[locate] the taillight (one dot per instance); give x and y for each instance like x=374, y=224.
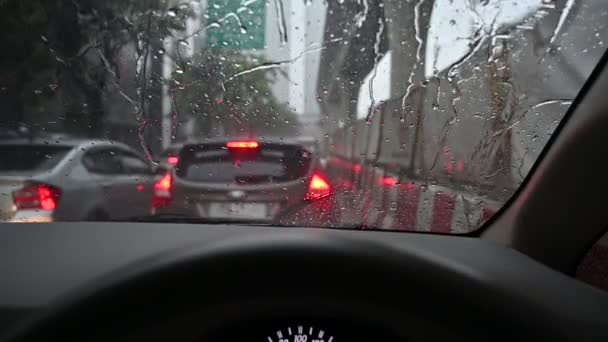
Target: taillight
x=389, y=181
x=38, y=196
x=162, y=191
x=242, y=144
x=317, y=188
x=172, y=160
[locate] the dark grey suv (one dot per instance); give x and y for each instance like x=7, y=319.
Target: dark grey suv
x=241, y=180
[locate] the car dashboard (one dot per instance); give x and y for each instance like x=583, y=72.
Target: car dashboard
x=191, y=282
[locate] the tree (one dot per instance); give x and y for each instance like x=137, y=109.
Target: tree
x=226, y=91
x=67, y=50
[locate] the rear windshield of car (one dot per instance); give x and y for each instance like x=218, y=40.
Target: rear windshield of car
x=30, y=157
x=244, y=166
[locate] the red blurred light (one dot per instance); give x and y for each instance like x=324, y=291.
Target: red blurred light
x=242, y=144
x=318, y=183
x=46, y=198
x=40, y=196
x=389, y=181
x=164, y=183
x=317, y=188
x=162, y=191
x=172, y=160
x=357, y=168
x=448, y=166
x=459, y=165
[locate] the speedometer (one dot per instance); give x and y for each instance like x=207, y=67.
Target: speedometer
x=298, y=329
x=300, y=333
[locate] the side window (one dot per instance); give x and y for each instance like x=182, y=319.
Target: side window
x=593, y=269
x=103, y=161
x=132, y=164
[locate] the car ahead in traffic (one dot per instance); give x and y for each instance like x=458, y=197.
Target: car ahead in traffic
x=169, y=157
x=242, y=180
x=44, y=180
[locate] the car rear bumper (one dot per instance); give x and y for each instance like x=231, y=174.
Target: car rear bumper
x=204, y=210
x=33, y=216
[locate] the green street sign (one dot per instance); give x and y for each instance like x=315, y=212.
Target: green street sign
x=240, y=24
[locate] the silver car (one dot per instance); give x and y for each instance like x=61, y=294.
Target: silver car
x=239, y=180
x=45, y=180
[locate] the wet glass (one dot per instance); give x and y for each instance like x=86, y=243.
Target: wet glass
x=407, y=115
x=25, y=158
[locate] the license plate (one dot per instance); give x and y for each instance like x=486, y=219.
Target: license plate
x=246, y=211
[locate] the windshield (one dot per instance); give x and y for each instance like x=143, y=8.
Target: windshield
x=406, y=115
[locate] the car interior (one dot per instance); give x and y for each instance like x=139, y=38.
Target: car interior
x=373, y=93
x=512, y=279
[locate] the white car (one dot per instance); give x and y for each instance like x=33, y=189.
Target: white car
x=44, y=180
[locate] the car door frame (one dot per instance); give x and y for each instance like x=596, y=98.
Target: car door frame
x=559, y=212
x=137, y=185
x=108, y=182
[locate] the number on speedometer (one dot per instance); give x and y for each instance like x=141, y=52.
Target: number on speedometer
x=300, y=333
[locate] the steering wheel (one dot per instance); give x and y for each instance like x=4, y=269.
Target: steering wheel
x=223, y=291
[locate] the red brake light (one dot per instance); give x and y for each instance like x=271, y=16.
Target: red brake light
x=389, y=181
x=39, y=196
x=317, y=188
x=164, y=183
x=242, y=144
x=162, y=191
x=172, y=160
